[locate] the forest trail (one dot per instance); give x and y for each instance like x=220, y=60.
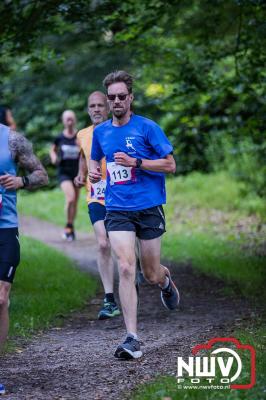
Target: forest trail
x=77, y=362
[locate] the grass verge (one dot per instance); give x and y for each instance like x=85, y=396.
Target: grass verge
x=217, y=256
x=208, y=219
x=47, y=285
x=195, y=191
x=215, y=190
x=210, y=226
x=49, y=205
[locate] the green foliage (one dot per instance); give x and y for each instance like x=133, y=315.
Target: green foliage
x=211, y=92
x=209, y=61
x=47, y=285
x=244, y=161
x=199, y=69
x=56, y=87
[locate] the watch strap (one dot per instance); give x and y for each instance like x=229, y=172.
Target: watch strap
x=25, y=181
x=138, y=163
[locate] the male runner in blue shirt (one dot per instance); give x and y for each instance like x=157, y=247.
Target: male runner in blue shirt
x=138, y=154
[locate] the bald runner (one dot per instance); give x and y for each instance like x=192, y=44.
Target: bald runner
x=98, y=112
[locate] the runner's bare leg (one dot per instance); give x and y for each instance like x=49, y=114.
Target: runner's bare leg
x=123, y=245
x=4, y=318
x=104, y=259
x=150, y=255
x=70, y=200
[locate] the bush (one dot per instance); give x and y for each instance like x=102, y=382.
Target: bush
x=243, y=160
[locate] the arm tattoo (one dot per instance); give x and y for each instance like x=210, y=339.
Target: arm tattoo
x=22, y=153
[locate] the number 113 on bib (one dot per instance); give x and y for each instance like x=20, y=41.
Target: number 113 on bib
x=120, y=175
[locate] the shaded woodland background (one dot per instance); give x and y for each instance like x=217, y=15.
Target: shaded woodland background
x=199, y=69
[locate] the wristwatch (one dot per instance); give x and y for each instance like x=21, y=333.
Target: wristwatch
x=25, y=181
x=138, y=163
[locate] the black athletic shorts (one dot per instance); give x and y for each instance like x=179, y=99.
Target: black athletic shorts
x=97, y=212
x=148, y=223
x=66, y=174
x=9, y=253
x=66, y=177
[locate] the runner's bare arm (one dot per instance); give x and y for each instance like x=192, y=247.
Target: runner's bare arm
x=83, y=167
x=166, y=165
x=21, y=152
x=53, y=154
x=80, y=179
x=95, y=174
x=10, y=120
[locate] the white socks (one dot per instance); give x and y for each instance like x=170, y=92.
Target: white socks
x=134, y=335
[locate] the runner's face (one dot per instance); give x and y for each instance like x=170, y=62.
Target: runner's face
x=97, y=109
x=119, y=107
x=69, y=120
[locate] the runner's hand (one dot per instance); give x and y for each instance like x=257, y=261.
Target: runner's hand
x=124, y=160
x=95, y=176
x=80, y=181
x=54, y=159
x=11, y=182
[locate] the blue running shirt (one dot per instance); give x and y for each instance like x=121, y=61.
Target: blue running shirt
x=128, y=188
x=8, y=198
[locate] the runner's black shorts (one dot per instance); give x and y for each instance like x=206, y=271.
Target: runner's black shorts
x=97, y=212
x=64, y=174
x=9, y=253
x=148, y=224
x=66, y=177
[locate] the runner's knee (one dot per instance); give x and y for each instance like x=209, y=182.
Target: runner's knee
x=4, y=299
x=70, y=201
x=103, y=245
x=126, y=270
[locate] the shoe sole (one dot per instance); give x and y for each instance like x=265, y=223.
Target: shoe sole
x=175, y=288
x=125, y=354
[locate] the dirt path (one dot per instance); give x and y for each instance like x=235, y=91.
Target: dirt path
x=76, y=362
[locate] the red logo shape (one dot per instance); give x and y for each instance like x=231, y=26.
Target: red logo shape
x=238, y=345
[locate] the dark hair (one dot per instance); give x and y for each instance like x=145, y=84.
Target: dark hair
x=119, y=76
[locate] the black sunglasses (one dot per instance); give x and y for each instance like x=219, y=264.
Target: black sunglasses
x=121, y=97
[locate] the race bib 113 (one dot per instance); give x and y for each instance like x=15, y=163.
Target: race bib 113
x=120, y=175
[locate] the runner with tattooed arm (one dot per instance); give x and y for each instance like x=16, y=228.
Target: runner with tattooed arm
x=15, y=150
